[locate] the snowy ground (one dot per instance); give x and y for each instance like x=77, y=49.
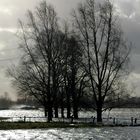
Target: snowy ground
x=109, y=133
x=105, y=133
x=122, y=116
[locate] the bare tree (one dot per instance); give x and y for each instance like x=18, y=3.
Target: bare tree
x=40, y=38
x=75, y=74
x=106, y=51
x=50, y=62
x=28, y=81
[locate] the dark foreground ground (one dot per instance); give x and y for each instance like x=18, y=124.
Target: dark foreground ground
x=41, y=125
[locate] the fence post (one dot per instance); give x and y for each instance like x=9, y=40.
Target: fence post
x=132, y=121
x=135, y=120
x=94, y=120
x=24, y=118
x=72, y=119
x=114, y=120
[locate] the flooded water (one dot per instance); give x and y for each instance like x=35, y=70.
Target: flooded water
x=117, y=113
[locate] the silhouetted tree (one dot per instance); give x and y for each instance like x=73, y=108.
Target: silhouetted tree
x=49, y=68
x=37, y=74
x=106, y=51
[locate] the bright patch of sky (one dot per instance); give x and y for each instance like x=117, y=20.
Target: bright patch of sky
x=7, y=11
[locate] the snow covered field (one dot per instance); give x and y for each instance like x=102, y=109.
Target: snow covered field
x=120, y=115
x=104, y=133
x=108, y=133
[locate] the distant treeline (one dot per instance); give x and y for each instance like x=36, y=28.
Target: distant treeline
x=132, y=102
x=85, y=103
x=5, y=103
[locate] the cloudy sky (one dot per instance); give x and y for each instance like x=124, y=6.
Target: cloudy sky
x=12, y=10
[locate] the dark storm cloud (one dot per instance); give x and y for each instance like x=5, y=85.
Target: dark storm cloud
x=131, y=31
x=129, y=12
x=131, y=27
x=12, y=10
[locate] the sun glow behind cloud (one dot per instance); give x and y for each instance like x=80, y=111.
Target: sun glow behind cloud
x=6, y=10
x=12, y=30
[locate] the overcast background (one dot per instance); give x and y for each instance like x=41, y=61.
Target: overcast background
x=12, y=10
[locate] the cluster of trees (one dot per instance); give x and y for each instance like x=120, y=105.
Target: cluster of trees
x=5, y=101
x=62, y=68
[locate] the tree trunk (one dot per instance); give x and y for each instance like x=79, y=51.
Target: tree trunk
x=62, y=112
x=75, y=104
x=62, y=104
x=45, y=111
x=68, y=111
x=75, y=112
x=50, y=115
x=68, y=105
x=99, y=115
x=56, y=111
